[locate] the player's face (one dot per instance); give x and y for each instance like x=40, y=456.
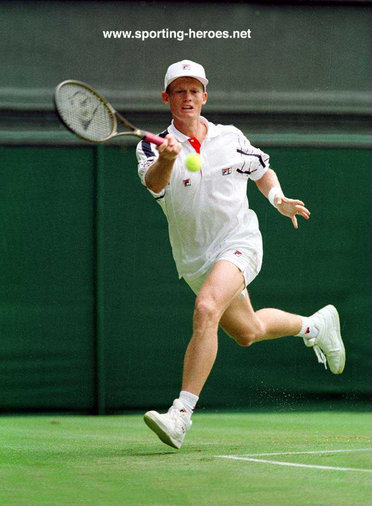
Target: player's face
x=185, y=97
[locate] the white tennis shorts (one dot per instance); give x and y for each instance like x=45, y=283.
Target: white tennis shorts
x=248, y=261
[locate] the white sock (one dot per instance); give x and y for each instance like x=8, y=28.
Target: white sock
x=308, y=328
x=189, y=401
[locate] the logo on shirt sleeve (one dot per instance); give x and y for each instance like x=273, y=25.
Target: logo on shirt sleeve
x=146, y=163
x=187, y=182
x=226, y=172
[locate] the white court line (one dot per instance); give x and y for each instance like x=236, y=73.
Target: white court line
x=307, y=452
x=278, y=463
x=293, y=464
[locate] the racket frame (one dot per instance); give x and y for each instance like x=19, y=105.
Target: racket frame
x=114, y=116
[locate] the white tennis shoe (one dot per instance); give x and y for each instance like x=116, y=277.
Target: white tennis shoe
x=328, y=345
x=170, y=427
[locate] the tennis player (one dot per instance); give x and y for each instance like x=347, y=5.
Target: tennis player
x=216, y=241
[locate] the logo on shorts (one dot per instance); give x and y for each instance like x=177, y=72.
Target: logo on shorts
x=226, y=172
x=187, y=182
x=238, y=253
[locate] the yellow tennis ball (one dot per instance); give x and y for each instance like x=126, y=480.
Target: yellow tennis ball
x=193, y=162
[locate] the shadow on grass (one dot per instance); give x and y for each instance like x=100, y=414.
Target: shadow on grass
x=148, y=454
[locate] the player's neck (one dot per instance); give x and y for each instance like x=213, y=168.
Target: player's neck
x=192, y=128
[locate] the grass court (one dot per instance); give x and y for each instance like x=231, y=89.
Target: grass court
x=117, y=460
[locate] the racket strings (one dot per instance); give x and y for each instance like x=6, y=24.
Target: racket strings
x=85, y=113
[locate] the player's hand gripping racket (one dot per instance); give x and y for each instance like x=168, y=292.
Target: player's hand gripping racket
x=88, y=115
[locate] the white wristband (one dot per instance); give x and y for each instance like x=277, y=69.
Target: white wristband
x=275, y=190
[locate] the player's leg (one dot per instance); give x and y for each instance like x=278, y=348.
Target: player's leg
x=223, y=284
x=320, y=331
x=246, y=326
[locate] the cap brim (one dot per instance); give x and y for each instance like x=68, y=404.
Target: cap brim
x=202, y=80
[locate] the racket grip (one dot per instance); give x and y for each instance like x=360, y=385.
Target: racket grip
x=154, y=139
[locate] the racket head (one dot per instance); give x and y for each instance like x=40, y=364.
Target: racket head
x=84, y=111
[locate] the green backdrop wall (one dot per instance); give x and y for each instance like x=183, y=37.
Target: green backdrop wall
x=301, y=56
x=94, y=318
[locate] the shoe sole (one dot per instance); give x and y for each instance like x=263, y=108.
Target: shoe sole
x=336, y=324
x=156, y=426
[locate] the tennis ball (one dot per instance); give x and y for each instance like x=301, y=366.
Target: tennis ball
x=193, y=162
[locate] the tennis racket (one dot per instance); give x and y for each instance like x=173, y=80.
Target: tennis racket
x=89, y=116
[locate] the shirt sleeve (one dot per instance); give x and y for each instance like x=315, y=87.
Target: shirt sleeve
x=146, y=156
x=256, y=161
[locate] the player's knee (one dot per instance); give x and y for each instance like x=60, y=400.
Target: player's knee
x=244, y=339
x=206, y=309
x=251, y=334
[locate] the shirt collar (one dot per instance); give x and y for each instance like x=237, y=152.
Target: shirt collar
x=211, y=130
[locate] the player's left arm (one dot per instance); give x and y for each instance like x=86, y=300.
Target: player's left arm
x=269, y=186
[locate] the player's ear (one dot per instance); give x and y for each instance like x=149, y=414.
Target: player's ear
x=205, y=97
x=165, y=97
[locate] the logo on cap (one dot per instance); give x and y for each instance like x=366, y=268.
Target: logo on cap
x=186, y=66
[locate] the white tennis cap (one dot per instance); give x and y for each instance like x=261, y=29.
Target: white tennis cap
x=185, y=68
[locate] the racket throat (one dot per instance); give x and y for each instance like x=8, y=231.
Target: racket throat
x=140, y=133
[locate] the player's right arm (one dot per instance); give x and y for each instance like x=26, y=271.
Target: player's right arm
x=159, y=174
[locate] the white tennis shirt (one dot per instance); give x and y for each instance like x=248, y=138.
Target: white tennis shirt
x=208, y=211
